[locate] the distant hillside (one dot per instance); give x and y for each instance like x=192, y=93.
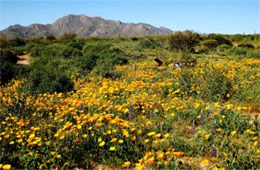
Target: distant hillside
x=84, y=26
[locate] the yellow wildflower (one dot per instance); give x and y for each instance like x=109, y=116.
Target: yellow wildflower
x=102, y=144
x=6, y=167
x=126, y=164
x=112, y=148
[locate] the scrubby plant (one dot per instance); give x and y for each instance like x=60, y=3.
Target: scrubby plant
x=236, y=51
x=77, y=44
x=67, y=37
x=50, y=37
x=36, y=50
x=251, y=53
x=7, y=65
x=3, y=42
x=221, y=39
x=210, y=43
x=103, y=51
x=184, y=41
x=16, y=42
x=149, y=43
x=215, y=85
x=201, y=50
x=47, y=76
x=246, y=45
x=223, y=47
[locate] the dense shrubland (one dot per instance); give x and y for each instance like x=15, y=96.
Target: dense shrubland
x=101, y=103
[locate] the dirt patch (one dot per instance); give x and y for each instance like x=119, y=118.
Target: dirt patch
x=24, y=59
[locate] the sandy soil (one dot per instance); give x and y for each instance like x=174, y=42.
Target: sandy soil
x=24, y=59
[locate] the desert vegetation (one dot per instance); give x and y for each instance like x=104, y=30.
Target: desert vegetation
x=105, y=102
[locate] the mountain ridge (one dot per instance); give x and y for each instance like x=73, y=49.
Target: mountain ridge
x=84, y=26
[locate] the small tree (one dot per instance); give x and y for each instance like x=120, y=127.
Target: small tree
x=50, y=37
x=67, y=37
x=210, y=44
x=7, y=65
x=184, y=41
x=3, y=42
x=47, y=75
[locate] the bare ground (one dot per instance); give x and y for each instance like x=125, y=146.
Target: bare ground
x=24, y=59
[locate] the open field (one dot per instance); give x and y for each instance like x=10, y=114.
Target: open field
x=197, y=110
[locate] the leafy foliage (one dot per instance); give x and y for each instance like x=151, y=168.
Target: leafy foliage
x=184, y=41
x=47, y=76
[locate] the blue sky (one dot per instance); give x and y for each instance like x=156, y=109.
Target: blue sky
x=204, y=16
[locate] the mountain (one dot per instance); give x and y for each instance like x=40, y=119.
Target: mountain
x=84, y=26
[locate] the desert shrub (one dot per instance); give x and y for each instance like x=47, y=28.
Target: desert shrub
x=149, y=43
x=50, y=37
x=95, y=51
x=67, y=37
x=105, y=68
x=183, y=41
x=215, y=85
x=8, y=55
x=187, y=60
x=7, y=67
x=16, y=42
x=47, y=76
x=221, y=39
x=253, y=53
x=68, y=52
x=29, y=47
x=7, y=71
x=237, y=51
x=201, y=49
x=86, y=62
x=77, y=44
x=95, y=47
x=223, y=47
x=55, y=50
x=18, y=50
x=186, y=80
x=3, y=42
x=134, y=38
x=36, y=50
x=210, y=43
x=246, y=45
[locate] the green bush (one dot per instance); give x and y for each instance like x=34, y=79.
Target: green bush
x=18, y=50
x=54, y=50
x=237, y=51
x=16, y=42
x=50, y=37
x=201, y=49
x=36, y=50
x=223, y=48
x=95, y=51
x=8, y=55
x=7, y=65
x=47, y=76
x=7, y=71
x=184, y=41
x=3, y=42
x=77, y=44
x=215, y=85
x=210, y=43
x=246, y=45
x=221, y=39
x=253, y=53
x=67, y=37
x=149, y=43
x=105, y=68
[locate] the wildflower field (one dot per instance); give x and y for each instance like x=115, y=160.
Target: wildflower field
x=205, y=115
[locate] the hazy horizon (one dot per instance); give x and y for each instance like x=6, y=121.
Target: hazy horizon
x=226, y=17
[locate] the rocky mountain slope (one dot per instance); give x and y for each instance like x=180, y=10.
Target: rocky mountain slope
x=84, y=26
